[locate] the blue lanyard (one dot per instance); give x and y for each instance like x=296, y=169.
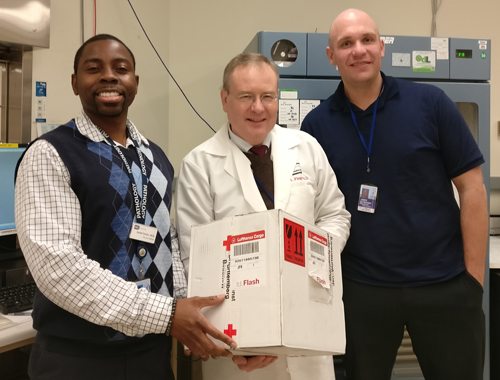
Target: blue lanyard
x=263, y=188
x=140, y=206
x=370, y=143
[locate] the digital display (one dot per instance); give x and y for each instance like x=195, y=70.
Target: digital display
x=462, y=53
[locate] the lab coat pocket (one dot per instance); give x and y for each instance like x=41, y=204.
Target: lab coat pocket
x=302, y=197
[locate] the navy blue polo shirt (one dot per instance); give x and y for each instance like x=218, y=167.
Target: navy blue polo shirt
x=420, y=143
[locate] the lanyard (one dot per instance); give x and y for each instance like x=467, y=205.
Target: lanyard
x=370, y=143
x=263, y=188
x=140, y=207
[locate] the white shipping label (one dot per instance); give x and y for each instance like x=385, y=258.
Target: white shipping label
x=248, y=263
x=319, y=263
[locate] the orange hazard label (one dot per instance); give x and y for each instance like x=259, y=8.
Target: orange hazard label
x=294, y=243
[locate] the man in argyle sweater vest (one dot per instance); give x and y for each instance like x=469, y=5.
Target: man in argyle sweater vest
x=93, y=216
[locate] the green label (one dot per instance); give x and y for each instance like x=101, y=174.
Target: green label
x=424, y=61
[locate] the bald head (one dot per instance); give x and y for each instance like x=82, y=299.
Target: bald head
x=346, y=20
x=357, y=50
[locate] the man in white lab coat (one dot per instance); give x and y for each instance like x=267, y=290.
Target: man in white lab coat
x=222, y=178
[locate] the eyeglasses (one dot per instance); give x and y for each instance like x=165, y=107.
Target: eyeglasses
x=248, y=99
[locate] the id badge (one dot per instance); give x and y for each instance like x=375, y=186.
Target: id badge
x=143, y=233
x=367, y=198
x=144, y=283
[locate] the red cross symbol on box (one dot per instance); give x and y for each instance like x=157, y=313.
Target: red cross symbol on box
x=230, y=332
x=227, y=243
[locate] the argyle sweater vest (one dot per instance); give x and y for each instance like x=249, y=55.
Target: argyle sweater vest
x=102, y=184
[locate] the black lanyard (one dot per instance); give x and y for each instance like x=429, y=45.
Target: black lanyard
x=140, y=207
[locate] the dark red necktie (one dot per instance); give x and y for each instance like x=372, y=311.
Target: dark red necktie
x=259, y=150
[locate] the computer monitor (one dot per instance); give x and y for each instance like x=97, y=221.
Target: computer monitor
x=8, y=162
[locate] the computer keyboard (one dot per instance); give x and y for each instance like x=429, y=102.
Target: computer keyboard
x=14, y=299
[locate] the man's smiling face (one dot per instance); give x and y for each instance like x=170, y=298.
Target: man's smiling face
x=251, y=120
x=105, y=80
x=355, y=48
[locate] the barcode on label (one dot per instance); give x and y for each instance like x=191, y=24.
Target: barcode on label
x=317, y=248
x=243, y=249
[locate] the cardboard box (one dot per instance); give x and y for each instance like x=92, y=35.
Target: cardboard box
x=282, y=281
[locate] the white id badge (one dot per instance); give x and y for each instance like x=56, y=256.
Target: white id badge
x=367, y=198
x=145, y=283
x=143, y=233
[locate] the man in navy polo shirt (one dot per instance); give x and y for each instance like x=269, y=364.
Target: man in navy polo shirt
x=414, y=257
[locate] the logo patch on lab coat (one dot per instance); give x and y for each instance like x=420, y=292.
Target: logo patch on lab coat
x=297, y=169
x=297, y=174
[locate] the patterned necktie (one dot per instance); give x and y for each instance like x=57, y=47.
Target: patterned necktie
x=259, y=150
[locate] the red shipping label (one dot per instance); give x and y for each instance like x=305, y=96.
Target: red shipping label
x=294, y=247
x=318, y=238
x=243, y=238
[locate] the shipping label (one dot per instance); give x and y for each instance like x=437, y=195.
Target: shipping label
x=294, y=242
x=319, y=265
x=246, y=265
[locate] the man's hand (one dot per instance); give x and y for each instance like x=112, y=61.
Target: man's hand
x=248, y=364
x=190, y=327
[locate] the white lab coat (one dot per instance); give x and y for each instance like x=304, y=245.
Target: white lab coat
x=216, y=181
